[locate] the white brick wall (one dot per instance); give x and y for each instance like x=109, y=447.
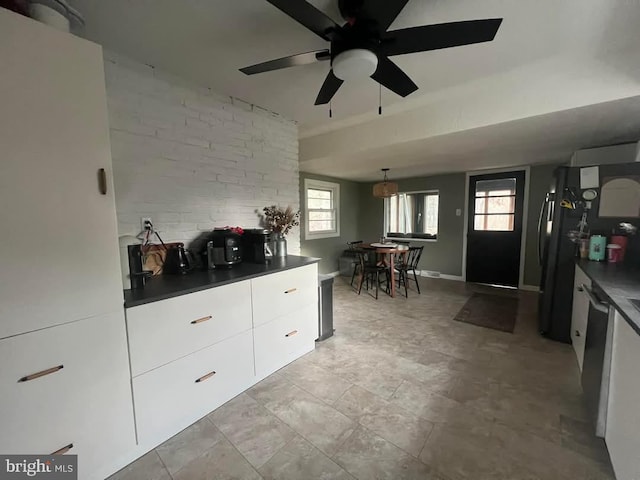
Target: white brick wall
x=192, y=159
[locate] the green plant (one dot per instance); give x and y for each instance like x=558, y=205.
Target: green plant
x=281, y=220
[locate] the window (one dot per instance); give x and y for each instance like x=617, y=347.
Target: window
x=322, y=202
x=412, y=215
x=495, y=204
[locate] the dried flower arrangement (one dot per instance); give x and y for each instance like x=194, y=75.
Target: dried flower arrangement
x=279, y=220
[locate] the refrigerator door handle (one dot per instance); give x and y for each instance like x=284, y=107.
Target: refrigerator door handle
x=541, y=221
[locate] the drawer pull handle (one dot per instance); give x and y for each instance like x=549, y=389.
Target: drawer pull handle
x=48, y=371
x=63, y=450
x=291, y=290
x=291, y=333
x=205, y=377
x=577, y=333
x=200, y=320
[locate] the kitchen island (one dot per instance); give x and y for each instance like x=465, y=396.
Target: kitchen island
x=619, y=284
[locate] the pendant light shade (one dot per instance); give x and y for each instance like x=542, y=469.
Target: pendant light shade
x=386, y=188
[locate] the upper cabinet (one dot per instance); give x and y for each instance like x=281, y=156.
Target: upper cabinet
x=59, y=255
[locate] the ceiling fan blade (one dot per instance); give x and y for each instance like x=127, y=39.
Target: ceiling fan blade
x=329, y=88
x=286, y=62
x=443, y=35
x=308, y=16
x=383, y=12
x=389, y=75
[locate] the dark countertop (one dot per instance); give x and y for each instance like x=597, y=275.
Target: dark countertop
x=168, y=286
x=619, y=282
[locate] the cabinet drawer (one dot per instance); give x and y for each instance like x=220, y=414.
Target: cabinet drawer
x=284, y=292
x=579, y=314
x=85, y=400
x=171, y=397
x=164, y=331
x=284, y=339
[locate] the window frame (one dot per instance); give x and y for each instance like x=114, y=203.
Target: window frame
x=312, y=184
x=412, y=239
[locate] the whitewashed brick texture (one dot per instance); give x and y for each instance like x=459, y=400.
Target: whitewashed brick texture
x=192, y=159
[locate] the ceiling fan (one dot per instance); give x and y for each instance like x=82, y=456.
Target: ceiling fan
x=362, y=46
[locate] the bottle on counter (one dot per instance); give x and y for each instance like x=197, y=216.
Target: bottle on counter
x=597, y=248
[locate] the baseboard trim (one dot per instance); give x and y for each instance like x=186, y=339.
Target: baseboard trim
x=333, y=274
x=529, y=288
x=443, y=276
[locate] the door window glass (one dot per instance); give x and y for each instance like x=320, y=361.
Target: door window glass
x=495, y=204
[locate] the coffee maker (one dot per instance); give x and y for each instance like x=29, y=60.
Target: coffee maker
x=224, y=249
x=258, y=245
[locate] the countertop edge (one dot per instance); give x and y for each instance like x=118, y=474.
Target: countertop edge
x=620, y=302
x=299, y=261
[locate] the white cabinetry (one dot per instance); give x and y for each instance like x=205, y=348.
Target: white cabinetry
x=61, y=316
x=163, y=331
x=174, y=396
x=623, y=415
x=580, y=314
x=59, y=255
x=284, y=292
x=192, y=353
x=82, y=397
x=285, y=317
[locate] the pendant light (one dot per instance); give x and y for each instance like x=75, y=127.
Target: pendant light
x=385, y=189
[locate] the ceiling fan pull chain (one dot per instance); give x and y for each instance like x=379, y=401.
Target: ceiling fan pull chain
x=379, y=99
x=330, y=112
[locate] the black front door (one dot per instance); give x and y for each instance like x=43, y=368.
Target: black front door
x=496, y=203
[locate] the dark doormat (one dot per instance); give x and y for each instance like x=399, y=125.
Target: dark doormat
x=490, y=311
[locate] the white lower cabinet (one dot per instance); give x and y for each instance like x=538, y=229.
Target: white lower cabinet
x=580, y=314
x=623, y=412
x=192, y=353
x=163, y=331
x=281, y=341
x=171, y=397
x=71, y=385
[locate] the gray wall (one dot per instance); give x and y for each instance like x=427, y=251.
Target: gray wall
x=443, y=255
x=330, y=249
x=362, y=219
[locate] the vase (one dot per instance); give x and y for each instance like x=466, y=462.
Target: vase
x=281, y=246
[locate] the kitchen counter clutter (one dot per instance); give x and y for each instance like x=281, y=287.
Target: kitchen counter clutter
x=620, y=282
x=168, y=286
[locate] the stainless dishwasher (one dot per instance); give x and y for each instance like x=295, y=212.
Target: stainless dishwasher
x=596, y=366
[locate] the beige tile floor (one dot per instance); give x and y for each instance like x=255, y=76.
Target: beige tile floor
x=400, y=392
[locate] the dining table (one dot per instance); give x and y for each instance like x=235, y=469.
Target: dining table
x=388, y=251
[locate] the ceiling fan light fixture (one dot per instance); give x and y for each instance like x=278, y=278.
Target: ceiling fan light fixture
x=354, y=64
x=386, y=188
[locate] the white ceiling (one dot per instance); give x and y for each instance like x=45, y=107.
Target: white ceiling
x=543, y=49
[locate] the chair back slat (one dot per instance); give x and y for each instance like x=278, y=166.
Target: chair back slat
x=414, y=257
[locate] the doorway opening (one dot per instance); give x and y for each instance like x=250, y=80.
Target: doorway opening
x=495, y=228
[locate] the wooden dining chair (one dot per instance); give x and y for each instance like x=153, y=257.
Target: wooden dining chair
x=409, y=265
x=352, y=247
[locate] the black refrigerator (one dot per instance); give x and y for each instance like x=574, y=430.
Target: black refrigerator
x=557, y=252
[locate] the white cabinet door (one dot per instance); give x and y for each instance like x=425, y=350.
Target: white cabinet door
x=580, y=314
x=172, y=397
x=283, y=292
x=59, y=254
x=163, y=331
x=85, y=400
x=623, y=414
x=284, y=339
